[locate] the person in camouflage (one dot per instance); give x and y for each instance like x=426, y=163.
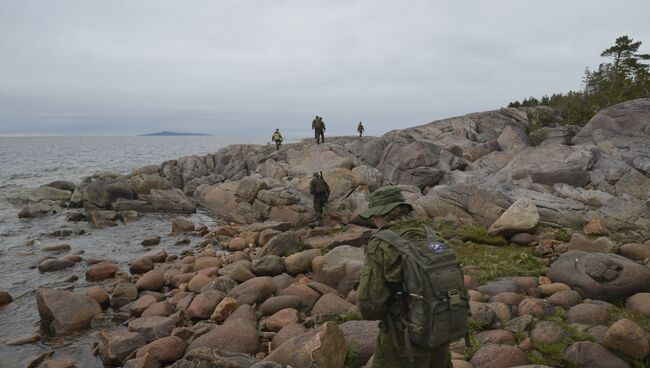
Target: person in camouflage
x=321, y=191
x=277, y=138
x=319, y=129
x=381, y=280
x=360, y=129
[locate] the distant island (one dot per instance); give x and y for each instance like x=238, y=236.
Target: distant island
x=167, y=133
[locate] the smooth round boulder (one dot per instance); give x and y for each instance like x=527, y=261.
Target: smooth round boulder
x=281, y=318
x=546, y=332
x=535, y=307
x=588, y=314
x=331, y=304
x=153, y=280
x=627, y=337
x=5, y=298
x=498, y=356
x=639, y=303
x=162, y=308
x=142, y=304
x=286, y=333
x=237, y=244
x=206, y=262
x=99, y=294
x=101, y=271
x=204, y=304
x=592, y=355
x=123, y=294
x=270, y=265
x=277, y=303
x=141, y=265
x=254, y=290
x=115, y=346
x=224, y=309
x=198, y=282
x=565, y=299
x=50, y=265
x=166, y=350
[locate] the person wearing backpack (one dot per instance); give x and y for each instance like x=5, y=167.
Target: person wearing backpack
x=321, y=191
x=360, y=129
x=277, y=138
x=319, y=129
x=413, y=284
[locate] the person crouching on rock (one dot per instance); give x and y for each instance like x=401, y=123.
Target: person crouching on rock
x=277, y=138
x=321, y=192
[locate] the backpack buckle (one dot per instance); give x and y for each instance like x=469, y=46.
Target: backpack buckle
x=455, y=300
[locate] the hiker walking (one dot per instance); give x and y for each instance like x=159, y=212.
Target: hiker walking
x=319, y=129
x=412, y=283
x=360, y=129
x=277, y=138
x=321, y=191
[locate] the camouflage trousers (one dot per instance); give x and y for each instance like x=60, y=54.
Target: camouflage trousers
x=388, y=354
x=319, y=134
x=319, y=204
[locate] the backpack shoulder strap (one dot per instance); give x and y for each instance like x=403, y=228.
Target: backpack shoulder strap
x=390, y=237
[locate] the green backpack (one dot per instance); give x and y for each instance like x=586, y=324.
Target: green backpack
x=436, y=303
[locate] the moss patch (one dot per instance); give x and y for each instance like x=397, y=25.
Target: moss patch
x=476, y=234
x=563, y=235
x=496, y=262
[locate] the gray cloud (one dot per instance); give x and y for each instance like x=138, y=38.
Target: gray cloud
x=133, y=66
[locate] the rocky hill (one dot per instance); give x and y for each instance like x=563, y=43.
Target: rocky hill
x=549, y=220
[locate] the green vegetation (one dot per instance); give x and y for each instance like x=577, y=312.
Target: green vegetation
x=553, y=354
x=624, y=77
x=351, y=355
x=621, y=313
x=563, y=235
x=476, y=234
x=350, y=316
x=496, y=262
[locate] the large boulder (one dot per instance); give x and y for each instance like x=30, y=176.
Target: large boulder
x=340, y=268
x=419, y=163
x=590, y=354
x=629, y=118
x=255, y=290
x=521, y=217
x=116, y=346
x=237, y=335
x=627, y=337
x=219, y=199
x=64, y=312
x=497, y=356
x=599, y=275
x=363, y=335
x=170, y=200
x=324, y=347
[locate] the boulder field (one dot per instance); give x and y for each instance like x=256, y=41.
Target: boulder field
x=265, y=287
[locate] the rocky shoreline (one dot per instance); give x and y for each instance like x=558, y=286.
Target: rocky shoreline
x=266, y=288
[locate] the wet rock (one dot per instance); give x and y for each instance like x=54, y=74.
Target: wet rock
x=589, y=354
x=281, y=318
x=588, y=314
x=140, y=305
x=152, y=328
x=497, y=356
x=324, y=347
x=521, y=217
x=198, y=282
x=331, y=304
x=162, y=308
x=627, y=337
x=182, y=225
x=123, y=294
x=28, y=339
x=116, y=346
x=146, y=361
x=5, y=298
x=103, y=219
x=141, y=265
x=253, y=291
x=152, y=280
x=600, y=276
x=99, y=294
x=159, y=256
x=565, y=299
x=101, y=271
x=268, y=266
x=339, y=268
x=165, y=350
x=39, y=209
x=639, y=303
x=204, y=304
x=546, y=332
x=64, y=312
x=155, y=240
x=225, y=307
x=277, y=303
x=50, y=265
x=55, y=248
x=300, y=262
x=170, y=201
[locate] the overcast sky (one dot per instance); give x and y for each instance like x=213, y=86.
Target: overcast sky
x=114, y=67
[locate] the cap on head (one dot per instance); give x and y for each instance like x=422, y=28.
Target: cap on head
x=316, y=174
x=383, y=201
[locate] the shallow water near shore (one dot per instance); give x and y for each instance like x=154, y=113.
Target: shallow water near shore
x=27, y=162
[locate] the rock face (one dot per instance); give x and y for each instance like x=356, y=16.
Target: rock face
x=64, y=312
x=600, y=276
x=589, y=354
x=324, y=347
x=521, y=217
x=339, y=268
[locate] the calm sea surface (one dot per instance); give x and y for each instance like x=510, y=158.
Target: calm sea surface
x=27, y=162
